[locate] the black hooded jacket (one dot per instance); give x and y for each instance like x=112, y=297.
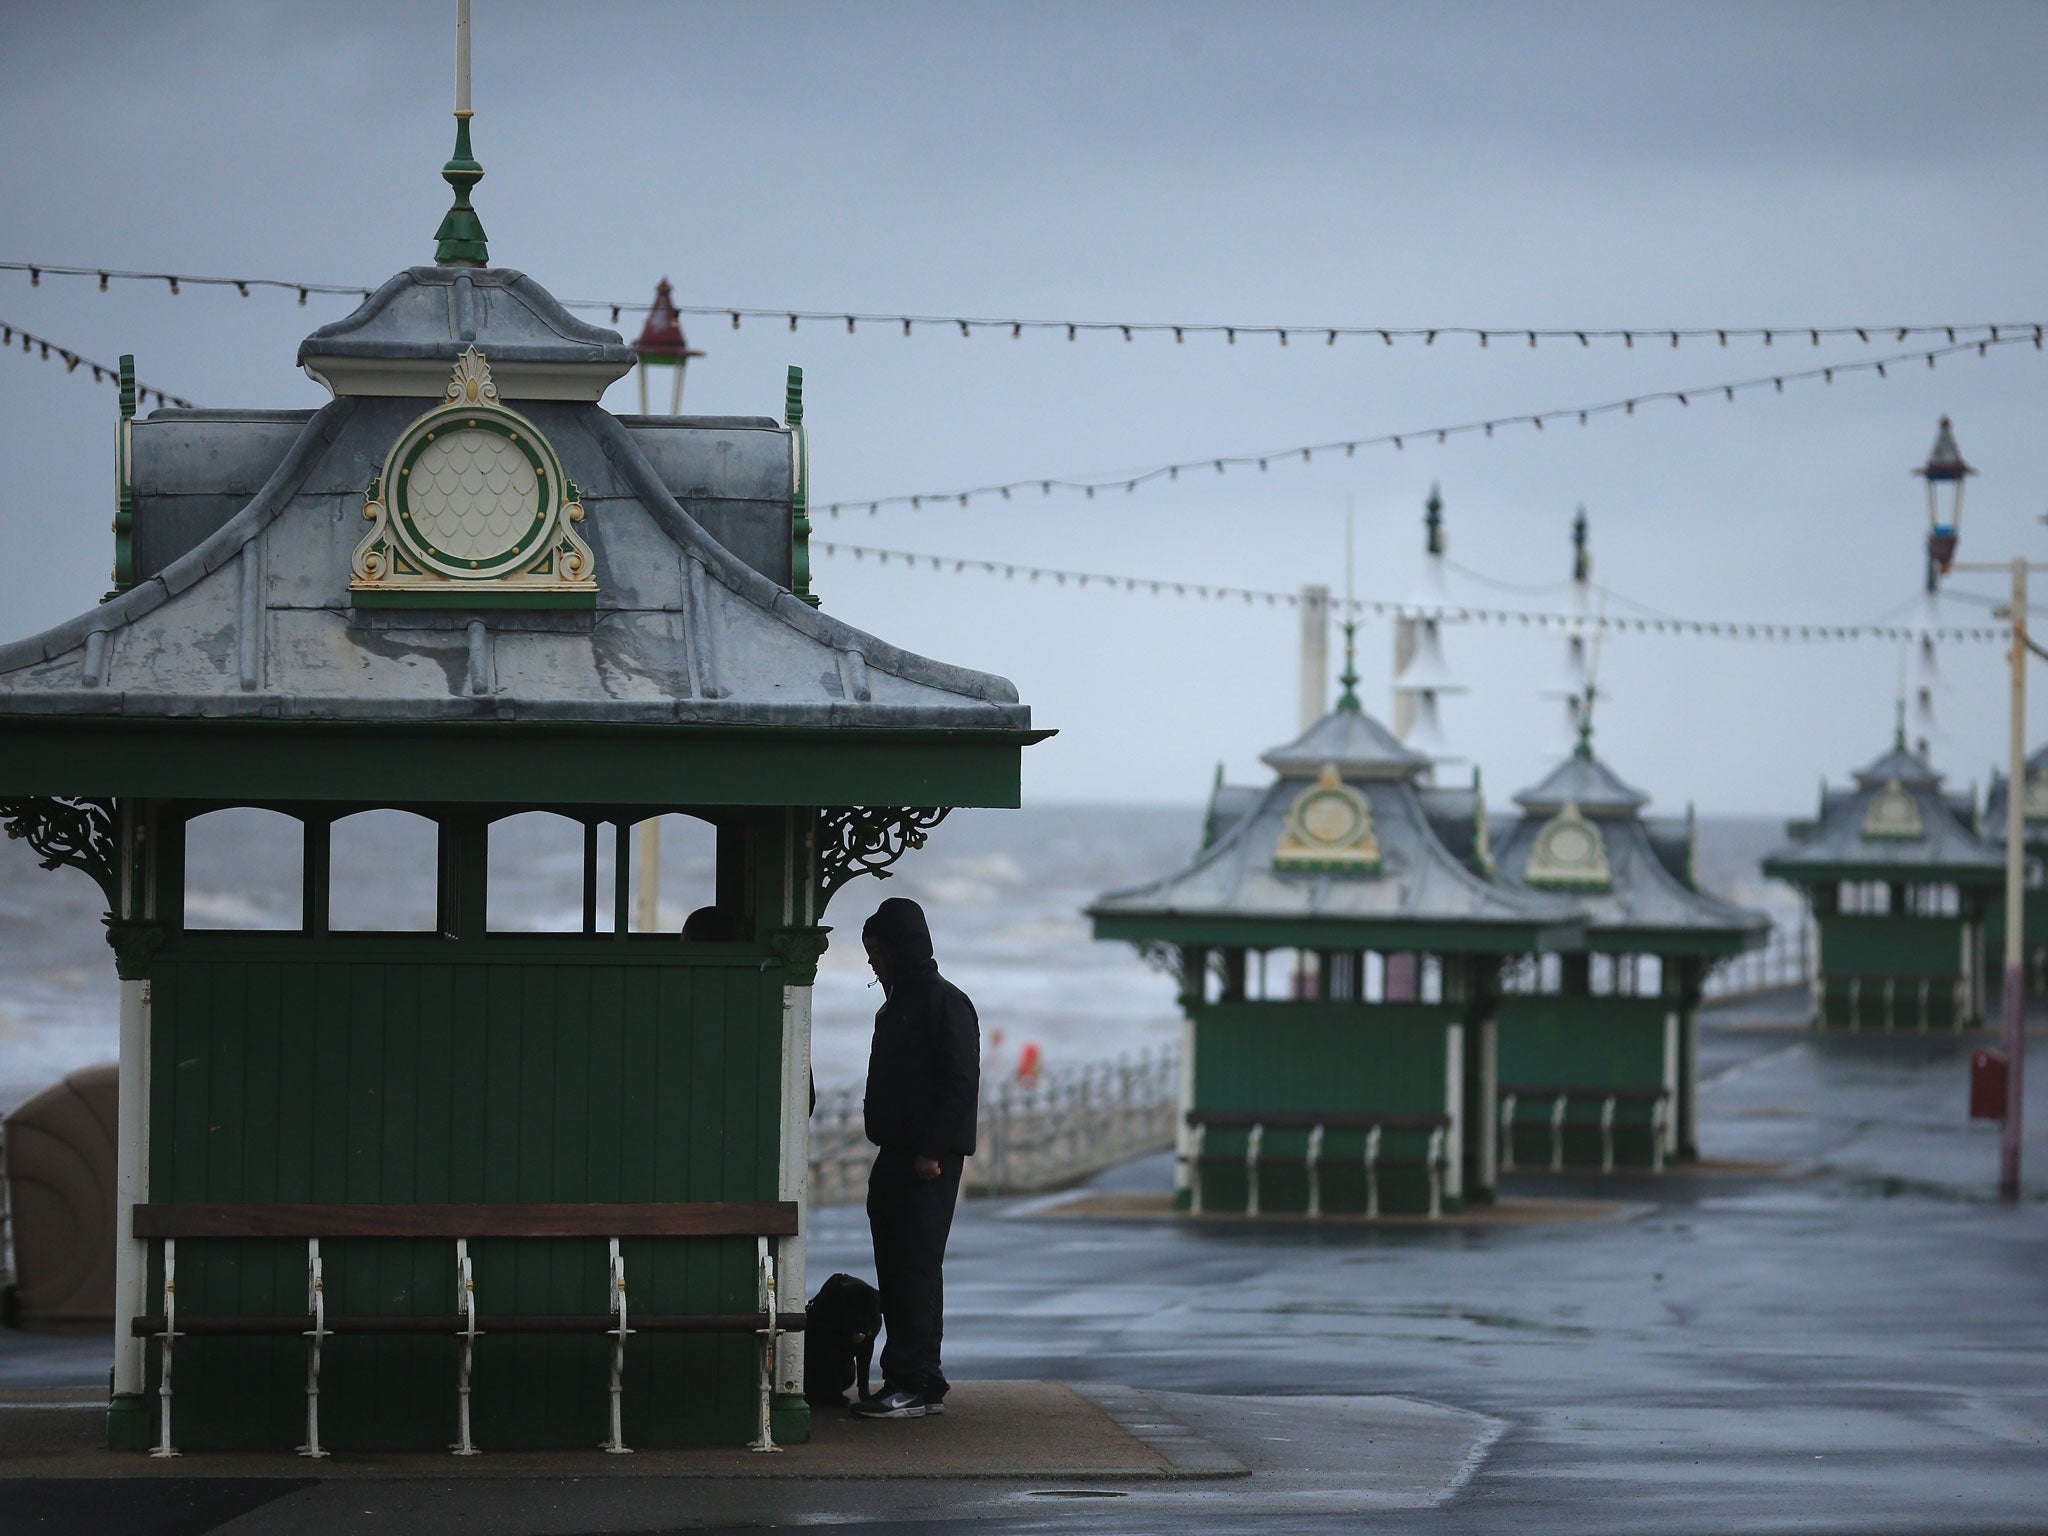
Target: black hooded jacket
x=924, y=1068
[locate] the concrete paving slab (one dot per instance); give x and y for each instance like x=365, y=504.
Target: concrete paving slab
x=991, y=1429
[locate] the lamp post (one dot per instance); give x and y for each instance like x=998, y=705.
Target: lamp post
x=1944, y=473
x=2013, y=995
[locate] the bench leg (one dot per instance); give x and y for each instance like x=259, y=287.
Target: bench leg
x=616, y=1445
x=1557, y=1107
x=1315, y=1166
x=163, y=1390
x=1251, y=1169
x=316, y=1303
x=1372, y=1171
x=1507, y=1133
x=465, y=1304
x=765, y=1440
x=1607, y=1134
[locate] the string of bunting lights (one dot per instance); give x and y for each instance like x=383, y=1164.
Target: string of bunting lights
x=1130, y=330
x=1398, y=440
x=102, y=373
x=1728, y=629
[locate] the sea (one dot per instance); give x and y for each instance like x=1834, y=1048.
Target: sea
x=1005, y=892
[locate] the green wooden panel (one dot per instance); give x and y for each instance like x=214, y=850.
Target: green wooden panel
x=491, y=1071
x=1335, y=1058
x=1582, y=1042
x=1891, y=945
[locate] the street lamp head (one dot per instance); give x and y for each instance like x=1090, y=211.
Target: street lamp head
x=1945, y=466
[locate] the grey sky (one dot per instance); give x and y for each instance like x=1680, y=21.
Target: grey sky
x=1399, y=165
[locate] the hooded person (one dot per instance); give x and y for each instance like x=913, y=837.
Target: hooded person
x=924, y=1081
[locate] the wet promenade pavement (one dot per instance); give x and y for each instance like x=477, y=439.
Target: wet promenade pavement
x=1838, y=1331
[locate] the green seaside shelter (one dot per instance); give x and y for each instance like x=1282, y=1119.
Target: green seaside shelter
x=1338, y=940
x=1599, y=1050
x=1899, y=882
x=391, y=1183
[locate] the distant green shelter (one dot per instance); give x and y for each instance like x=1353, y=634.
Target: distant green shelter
x=1899, y=883
x=1338, y=941
x=390, y=1181
x=1599, y=1049
x=2034, y=817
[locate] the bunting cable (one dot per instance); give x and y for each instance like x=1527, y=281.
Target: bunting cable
x=102, y=373
x=1399, y=440
x=1726, y=629
x=1130, y=330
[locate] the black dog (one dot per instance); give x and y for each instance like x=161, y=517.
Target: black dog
x=839, y=1339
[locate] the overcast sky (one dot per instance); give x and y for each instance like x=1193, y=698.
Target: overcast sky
x=1506, y=166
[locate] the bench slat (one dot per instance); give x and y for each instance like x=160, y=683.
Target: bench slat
x=716, y=1218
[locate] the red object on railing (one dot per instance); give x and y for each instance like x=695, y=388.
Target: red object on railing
x=1987, y=1085
x=1027, y=1063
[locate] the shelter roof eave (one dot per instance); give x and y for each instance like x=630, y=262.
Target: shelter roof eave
x=1237, y=930
x=482, y=761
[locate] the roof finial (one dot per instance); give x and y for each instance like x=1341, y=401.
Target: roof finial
x=1585, y=746
x=1348, y=699
x=1433, y=520
x=1582, y=562
x=461, y=235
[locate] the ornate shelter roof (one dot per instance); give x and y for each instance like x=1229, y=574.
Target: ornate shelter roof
x=1895, y=824
x=1633, y=877
x=249, y=601
x=1338, y=850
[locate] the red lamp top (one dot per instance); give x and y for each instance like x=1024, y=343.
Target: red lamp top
x=661, y=338
x=1945, y=459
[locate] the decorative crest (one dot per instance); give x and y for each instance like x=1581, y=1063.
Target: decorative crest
x=471, y=383
x=1893, y=814
x=1569, y=854
x=472, y=510
x=1328, y=830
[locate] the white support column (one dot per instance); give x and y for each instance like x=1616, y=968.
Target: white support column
x=1186, y=1139
x=1667, y=1141
x=793, y=1182
x=1454, y=1107
x=131, y=1188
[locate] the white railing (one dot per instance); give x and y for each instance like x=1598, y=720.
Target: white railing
x=1786, y=961
x=1060, y=1126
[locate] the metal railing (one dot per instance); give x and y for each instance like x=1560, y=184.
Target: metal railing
x=1060, y=1126
x=1786, y=961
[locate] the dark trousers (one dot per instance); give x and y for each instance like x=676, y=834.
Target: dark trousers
x=910, y=1219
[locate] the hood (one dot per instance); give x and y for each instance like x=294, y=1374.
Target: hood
x=898, y=929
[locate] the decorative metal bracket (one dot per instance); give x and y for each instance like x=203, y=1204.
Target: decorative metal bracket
x=799, y=949
x=66, y=830
x=865, y=840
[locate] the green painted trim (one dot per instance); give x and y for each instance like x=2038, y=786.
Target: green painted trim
x=460, y=240
x=459, y=596
x=130, y=1424
x=1673, y=941
x=1335, y=933
x=490, y=762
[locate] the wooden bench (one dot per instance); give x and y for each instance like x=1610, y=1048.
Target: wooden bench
x=1562, y=1098
x=764, y=1221
x=1255, y=1124
x=1922, y=1003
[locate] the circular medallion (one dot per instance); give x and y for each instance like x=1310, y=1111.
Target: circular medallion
x=1330, y=818
x=474, y=497
x=1571, y=845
